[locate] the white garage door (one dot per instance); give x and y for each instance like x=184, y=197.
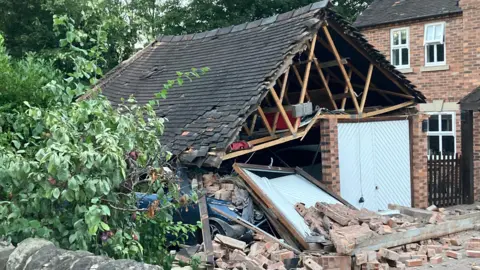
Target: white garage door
x=375, y=163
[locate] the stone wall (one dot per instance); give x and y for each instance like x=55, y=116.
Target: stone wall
x=35, y=254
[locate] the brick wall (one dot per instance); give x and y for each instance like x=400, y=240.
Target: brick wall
x=447, y=84
x=329, y=151
x=419, y=162
x=462, y=42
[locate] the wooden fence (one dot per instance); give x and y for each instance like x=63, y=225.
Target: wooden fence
x=445, y=187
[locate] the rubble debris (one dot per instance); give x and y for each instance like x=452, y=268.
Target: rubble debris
x=228, y=241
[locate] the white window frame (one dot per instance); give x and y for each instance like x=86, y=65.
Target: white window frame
x=435, y=42
x=400, y=47
x=441, y=133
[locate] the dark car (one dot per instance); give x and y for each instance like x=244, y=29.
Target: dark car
x=191, y=215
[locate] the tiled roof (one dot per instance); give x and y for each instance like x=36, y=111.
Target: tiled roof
x=390, y=11
x=244, y=60
x=472, y=98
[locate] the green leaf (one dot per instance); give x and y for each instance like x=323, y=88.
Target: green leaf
x=16, y=144
x=35, y=224
x=72, y=184
x=104, y=226
x=56, y=193
x=72, y=238
x=105, y=210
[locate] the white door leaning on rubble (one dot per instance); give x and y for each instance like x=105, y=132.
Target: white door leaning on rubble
x=375, y=163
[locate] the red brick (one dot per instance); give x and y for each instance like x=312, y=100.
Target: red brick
x=437, y=248
x=281, y=255
x=436, y=259
x=276, y=266
x=473, y=253
x=421, y=257
x=453, y=254
x=414, y=262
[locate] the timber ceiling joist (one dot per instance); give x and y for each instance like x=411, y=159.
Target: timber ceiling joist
x=258, y=71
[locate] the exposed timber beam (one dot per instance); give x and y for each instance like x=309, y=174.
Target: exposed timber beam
x=264, y=145
x=328, y=64
x=282, y=110
x=283, y=92
x=389, y=109
x=345, y=91
x=367, y=86
x=342, y=68
x=306, y=76
x=300, y=80
x=265, y=120
x=325, y=83
x=339, y=30
x=361, y=76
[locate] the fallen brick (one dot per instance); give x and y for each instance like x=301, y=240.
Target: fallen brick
x=361, y=258
x=436, y=259
x=385, y=266
x=256, y=248
x=403, y=257
x=424, y=258
x=220, y=263
x=414, y=262
x=312, y=265
x=331, y=213
x=473, y=253
x=345, y=239
x=399, y=266
x=453, y=254
x=237, y=255
x=438, y=248
x=412, y=246
x=389, y=255
x=276, y=266
x=422, y=250
x=271, y=247
x=301, y=209
x=262, y=260
x=223, y=194
x=230, y=242
x=281, y=255
x=474, y=267
x=373, y=266
x=228, y=186
x=431, y=252
x=472, y=245
x=251, y=264
x=432, y=208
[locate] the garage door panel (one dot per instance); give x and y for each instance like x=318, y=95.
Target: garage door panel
x=392, y=159
x=375, y=163
x=348, y=154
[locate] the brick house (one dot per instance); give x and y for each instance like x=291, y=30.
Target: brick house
x=436, y=45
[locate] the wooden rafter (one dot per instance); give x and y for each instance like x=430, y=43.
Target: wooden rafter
x=361, y=76
x=247, y=130
x=265, y=120
x=254, y=121
x=282, y=110
x=367, y=86
x=328, y=64
x=389, y=109
x=264, y=145
x=306, y=76
x=283, y=92
x=345, y=91
x=325, y=83
x=338, y=29
x=300, y=80
x=342, y=68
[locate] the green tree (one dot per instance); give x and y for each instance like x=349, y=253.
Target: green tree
x=70, y=170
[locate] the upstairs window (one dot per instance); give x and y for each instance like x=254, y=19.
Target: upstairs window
x=435, y=44
x=400, y=54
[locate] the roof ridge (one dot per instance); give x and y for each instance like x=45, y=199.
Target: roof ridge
x=247, y=25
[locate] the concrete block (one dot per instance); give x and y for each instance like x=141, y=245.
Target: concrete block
x=230, y=242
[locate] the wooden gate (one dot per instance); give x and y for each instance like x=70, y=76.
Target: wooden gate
x=445, y=185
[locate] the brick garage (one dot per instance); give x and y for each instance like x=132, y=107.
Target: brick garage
x=331, y=162
x=446, y=84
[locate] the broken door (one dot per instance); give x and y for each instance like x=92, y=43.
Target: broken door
x=375, y=163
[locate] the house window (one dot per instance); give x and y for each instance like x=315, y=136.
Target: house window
x=441, y=134
x=434, y=41
x=400, y=54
